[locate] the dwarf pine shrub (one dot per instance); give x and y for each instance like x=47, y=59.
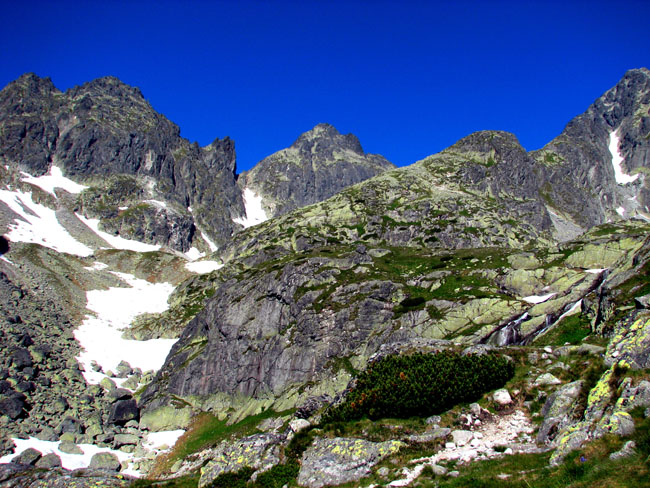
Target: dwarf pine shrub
x=420, y=384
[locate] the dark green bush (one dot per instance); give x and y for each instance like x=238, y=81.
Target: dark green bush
x=238, y=479
x=279, y=475
x=421, y=385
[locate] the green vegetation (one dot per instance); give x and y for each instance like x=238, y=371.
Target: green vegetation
x=421, y=385
x=572, y=329
x=206, y=431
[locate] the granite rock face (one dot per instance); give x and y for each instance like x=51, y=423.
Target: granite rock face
x=579, y=181
x=319, y=164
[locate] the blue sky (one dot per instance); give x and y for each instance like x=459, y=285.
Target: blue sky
x=408, y=78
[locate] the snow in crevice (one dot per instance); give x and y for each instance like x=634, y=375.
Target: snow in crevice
x=621, y=211
x=538, y=298
x=212, y=245
x=100, y=334
x=54, y=179
x=255, y=213
x=621, y=177
x=38, y=224
x=116, y=241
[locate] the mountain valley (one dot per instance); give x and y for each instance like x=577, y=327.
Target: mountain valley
x=169, y=322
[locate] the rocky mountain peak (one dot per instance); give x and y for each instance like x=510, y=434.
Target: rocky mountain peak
x=325, y=137
x=107, y=86
x=319, y=164
x=488, y=141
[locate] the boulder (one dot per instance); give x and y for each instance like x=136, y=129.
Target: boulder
x=49, y=461
x=341, y=460
x=14, y=406
x=105, y=461
x=122, y=411
x=28, y=456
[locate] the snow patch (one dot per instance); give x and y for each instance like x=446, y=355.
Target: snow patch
x=116, y=241
x=158, y=440
x=157, y=203
x=193, y=254
x=255, y=213
x=212, y=245
x=54, y=179
x=202, y=267
x=620, y=211
x=538, y=298
x=100, y=336
x=595, y=270
x=617, y=159
x=68, y=461
x=39, y=225
x=97, y=266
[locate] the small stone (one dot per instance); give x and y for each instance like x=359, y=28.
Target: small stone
x=297, y=425
x=475, y=408
x=547, y=379
x=434, y=419
x=462, y=437
x=450, y=445
x=453, y=474
x=508, y=451
x=383, y=471
x=626, y=451
x=70, y=448
x=439, y=470
x=502, y=397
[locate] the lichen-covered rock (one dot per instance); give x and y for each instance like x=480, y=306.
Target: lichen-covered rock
x=340, y=460
x=259, y=451
x=558, y=411
x=631, y=342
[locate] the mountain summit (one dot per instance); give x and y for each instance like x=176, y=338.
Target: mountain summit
x=319, y=164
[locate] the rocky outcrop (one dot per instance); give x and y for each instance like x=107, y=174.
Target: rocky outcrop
x=317, y=166
x=106, y=128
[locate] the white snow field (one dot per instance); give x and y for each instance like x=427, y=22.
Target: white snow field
x=162, y=440
x=617, y=159
x=538, y=298
x=116, y=241
x=54, y=179
x=100, y=336
x=255, y=213
x=38, y=224
x=202, y=267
